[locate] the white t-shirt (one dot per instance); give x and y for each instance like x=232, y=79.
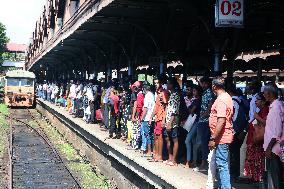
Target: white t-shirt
x=73, y=91
x=79, y=90
x=236, y=107
x=44, y=87
x=149, y=103
x=253, y=108
x=39, y=87
x=90, y=90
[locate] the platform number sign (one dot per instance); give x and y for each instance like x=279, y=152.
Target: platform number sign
x=229, y=13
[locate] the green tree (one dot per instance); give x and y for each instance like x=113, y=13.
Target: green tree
x=3, y=41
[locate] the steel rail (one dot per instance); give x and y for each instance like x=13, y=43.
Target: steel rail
x=45, y=140
x=10, y=154
x=54, y=149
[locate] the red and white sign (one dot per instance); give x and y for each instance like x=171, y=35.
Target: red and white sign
x=229, y=13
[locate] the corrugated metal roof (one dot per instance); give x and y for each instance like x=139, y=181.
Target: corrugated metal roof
x=14, y=47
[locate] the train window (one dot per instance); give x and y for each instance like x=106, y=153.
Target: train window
x=12, y=82
x=27, y=82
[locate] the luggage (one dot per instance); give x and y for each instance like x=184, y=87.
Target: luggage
x=99, y=115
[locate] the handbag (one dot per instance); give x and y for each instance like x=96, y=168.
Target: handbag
x=189, y=122
x=99, y=115
x=258, y=136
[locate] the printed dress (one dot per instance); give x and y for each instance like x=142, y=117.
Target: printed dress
x=254, y=163
x=173, y=108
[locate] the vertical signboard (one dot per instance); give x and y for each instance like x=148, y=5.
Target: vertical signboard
x=229, y=13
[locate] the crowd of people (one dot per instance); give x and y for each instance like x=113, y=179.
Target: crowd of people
x=204, y=126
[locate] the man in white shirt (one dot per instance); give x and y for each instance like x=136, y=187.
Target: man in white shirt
x=72, y=93
x=148, y=108
x=78, y=104
x=89, y=91
x=39, y=91
x=239, y=125
x=44, y=88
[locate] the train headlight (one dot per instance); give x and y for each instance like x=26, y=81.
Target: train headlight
x=29, y=95
x=9, y=95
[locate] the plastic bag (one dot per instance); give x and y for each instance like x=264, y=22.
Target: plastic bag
x=189, y=122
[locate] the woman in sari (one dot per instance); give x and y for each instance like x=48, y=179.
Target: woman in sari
x=254, y=163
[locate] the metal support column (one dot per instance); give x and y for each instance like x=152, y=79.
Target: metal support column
x=217, y=63
x=110, y=62
x=73, y=7
x=130, y=68
x=109, y=71
x=95, y=75
x=132, y=54
x=259, y=71
x=162, y=65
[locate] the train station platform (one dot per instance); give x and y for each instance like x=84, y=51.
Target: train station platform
x=158, y=175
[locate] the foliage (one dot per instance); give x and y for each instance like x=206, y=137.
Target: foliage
x=14, y=57
x=3, y=40
x=3, y=128
x=4, y=109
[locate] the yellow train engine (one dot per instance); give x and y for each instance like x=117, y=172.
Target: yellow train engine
x=20, y=89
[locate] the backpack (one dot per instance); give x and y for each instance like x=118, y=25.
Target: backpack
x=241, y=121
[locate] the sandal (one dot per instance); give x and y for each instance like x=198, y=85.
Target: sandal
x=155, y=160
x=147, y=155
x=171, y=164
x=165, y=162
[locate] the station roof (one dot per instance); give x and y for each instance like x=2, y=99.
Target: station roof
x=144, y=32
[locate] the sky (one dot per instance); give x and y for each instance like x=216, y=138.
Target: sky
x=19, y=17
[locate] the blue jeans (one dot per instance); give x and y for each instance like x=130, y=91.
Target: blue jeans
x=222, y=156
x=49, y=97
x=202, y=139
x=39, y=93
x=190, y=143
x=44, y=95
x=145, y=133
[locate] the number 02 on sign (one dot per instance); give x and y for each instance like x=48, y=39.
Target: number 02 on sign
x=229, y=13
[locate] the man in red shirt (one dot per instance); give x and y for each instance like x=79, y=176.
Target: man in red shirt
x=221, y=127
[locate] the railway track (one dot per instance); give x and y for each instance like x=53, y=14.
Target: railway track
x=35, y=163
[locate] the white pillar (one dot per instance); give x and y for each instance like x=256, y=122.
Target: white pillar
x=73, y=7
x=45, y=39
x=60, y=22
x=51, y=31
